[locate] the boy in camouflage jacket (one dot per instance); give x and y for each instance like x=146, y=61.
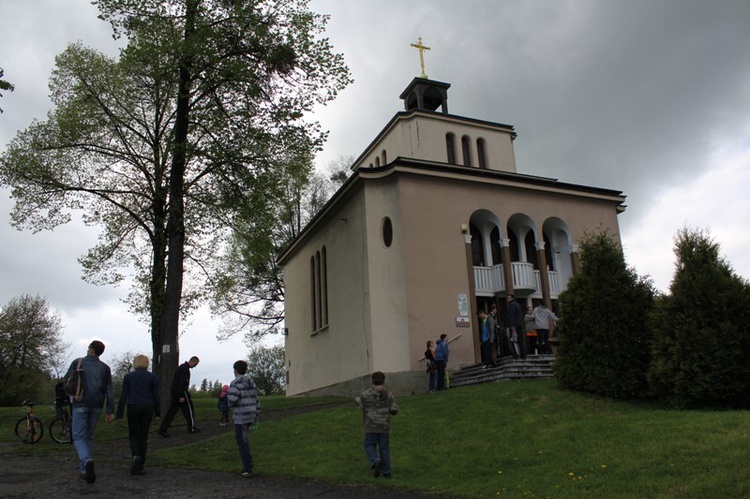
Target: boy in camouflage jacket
x=377, y=405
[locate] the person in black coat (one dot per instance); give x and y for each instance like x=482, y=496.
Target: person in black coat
x=514, y=323
x=180, y=398
x=140, y=391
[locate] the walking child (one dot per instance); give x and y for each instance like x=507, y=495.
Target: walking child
x=224, y=406
x=378, y=405
x=243, y=397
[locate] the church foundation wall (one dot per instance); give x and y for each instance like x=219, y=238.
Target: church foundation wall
x=399, y=383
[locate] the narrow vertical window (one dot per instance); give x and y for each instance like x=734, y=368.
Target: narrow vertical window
x=377, y=161
x=313, y=307
x=318, y=293
x=466, y=149
x=450, y=147
x=385, y=161
x=324, y=286
x=481, y=153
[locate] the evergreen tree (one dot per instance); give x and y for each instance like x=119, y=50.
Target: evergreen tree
x=701, y=343
x=604, y=334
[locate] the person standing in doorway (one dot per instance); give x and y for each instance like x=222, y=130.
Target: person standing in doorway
x=180, y=398
x=97, y=387
x=529, y=326
x=498, y=331
x=543, y=318
x=441, y=359
x=140, y=391
x=514, y=323
x=487, y=332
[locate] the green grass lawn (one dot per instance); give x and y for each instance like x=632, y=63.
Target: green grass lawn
x=517, y=439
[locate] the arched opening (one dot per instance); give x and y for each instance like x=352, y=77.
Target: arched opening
x=466, y=149
x=482, y=153
x=477, y=246
x=450, y=147
x=497, y=250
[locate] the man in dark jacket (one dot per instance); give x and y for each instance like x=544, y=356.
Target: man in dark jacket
x=514, y=323
x=180, y=398
x=97, y=386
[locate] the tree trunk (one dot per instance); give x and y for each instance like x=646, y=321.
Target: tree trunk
x=169, y=355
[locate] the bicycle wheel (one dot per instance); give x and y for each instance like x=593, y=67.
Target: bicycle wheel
x=29, y=429
x=59, y=430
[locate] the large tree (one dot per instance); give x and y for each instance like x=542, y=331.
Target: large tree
x=30, y=343
x=164, y=145
x=5, y=85
x=250, y=289
x=266, y=368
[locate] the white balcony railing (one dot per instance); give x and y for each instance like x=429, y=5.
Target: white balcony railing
x=555, y=288
x=523, y=276
x=490, y=280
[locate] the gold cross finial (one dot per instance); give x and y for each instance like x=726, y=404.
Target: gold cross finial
x=421, y=49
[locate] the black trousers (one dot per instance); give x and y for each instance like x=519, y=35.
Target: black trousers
x=441, y=364
x=139, y=421
x=187, y=410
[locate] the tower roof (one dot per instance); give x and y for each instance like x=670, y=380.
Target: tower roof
x=426, y=94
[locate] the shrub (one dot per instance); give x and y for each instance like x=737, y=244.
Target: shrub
x=605, y=339
x=701, y=342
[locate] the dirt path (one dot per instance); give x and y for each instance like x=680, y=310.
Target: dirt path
x=55, y=476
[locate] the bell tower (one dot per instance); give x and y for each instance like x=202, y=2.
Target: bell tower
x=426, y=95
x=423, y=93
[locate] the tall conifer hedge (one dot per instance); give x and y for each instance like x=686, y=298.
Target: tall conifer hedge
x=701, y=355
x=605, y=339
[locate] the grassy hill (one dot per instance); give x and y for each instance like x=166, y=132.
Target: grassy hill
x=513, y=439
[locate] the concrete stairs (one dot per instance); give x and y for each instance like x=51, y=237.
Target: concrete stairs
x=534, y=366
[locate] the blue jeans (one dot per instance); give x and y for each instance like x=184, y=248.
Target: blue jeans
x=240, y=435
x=84, y=424
x=375, y=442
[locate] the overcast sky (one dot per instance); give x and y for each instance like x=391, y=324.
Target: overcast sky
x=651, y=97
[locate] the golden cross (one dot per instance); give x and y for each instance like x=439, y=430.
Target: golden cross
x=421, y=49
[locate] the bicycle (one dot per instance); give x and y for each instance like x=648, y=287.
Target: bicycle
x=29, y=428
x=60, y=427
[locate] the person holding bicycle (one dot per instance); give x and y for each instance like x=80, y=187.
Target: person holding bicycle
x=97, y=388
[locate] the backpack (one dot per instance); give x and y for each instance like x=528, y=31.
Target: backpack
x=73, y=383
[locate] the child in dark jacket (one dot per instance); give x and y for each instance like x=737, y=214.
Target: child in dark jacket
x=378, y=405
x=223, y=406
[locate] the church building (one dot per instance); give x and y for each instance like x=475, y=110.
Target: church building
x=434, y=224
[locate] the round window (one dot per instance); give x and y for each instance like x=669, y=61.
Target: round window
x=387, y=232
